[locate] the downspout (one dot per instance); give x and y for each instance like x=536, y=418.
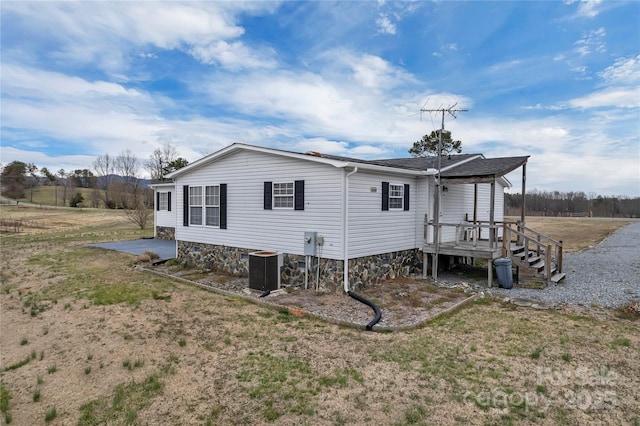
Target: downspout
x=345, y=241
x=175, y=223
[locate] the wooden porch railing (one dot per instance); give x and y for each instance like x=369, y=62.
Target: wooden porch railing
x=467, y=232
x=532, y=241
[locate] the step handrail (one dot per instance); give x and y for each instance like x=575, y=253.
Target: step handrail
x=536, y=240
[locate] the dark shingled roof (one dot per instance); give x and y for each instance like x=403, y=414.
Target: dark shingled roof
x=485, y=167
x=424, y=163
x=415, y=163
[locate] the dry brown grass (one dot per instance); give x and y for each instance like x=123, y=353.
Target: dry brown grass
x=576, y=234
x=203, y=358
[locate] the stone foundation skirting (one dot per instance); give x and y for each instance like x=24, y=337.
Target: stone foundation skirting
x=363, y=271
x=165, y=233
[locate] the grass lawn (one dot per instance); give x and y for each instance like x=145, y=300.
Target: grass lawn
x=87, y=338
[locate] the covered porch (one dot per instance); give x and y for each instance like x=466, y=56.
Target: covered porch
x=471, y=237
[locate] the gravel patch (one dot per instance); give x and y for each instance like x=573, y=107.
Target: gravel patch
x=607, y=275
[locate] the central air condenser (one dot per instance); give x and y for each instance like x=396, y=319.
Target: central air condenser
x=264, y=270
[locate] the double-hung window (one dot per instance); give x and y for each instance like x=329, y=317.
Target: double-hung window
x=396, y=196
x=204, y=205
x=283, y=195
x=163, y=201
x=212, y=205
x=195, y=205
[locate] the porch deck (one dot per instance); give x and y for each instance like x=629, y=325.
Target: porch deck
x=480, y=249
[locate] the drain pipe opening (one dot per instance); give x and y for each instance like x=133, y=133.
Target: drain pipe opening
x=372, y=305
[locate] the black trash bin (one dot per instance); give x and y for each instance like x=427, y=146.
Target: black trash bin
x=503, y=271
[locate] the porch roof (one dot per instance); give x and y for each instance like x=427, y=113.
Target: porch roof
x=484, y=168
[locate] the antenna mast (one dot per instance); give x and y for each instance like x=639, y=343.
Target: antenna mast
x=438, y=199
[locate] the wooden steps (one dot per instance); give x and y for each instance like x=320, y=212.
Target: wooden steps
x=536, y=263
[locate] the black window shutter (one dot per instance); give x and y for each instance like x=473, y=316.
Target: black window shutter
x=157, y=201
x=406, y=196
x=169, y=201
x=298, y=201
x=268, y=187
x=185, y=205
x=223, y=206
x=385, y=196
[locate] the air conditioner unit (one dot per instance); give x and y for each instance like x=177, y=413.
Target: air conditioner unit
x=264, y=270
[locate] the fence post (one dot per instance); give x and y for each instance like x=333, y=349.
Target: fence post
x=547, y=263
x=559, y=259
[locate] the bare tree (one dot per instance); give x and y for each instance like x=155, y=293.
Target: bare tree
x=64, y=181
x=33, y=179
x=141, y=214
x=127, y=165
x=104, y=167
x=159, y=161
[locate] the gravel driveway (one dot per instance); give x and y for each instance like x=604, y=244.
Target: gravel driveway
x=607, y=275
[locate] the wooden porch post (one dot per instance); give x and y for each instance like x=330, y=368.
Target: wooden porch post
x=524, y=183
x=475, y=211
x=492, y=231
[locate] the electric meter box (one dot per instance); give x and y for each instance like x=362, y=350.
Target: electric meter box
x=310, y=243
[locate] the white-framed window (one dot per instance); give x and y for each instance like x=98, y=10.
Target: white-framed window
x=283, y=195
x=212, y=205
x=163, y=201
x=396, y=197
x=195, y=205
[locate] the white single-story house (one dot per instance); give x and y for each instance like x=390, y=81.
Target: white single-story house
x=367, y=220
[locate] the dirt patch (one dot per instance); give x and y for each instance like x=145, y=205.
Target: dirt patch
x=404, y=302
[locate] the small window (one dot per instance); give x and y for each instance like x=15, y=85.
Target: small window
x=195, y=205
x=163, y=201
x=396, y=196
x=212, y=205
x=283, y=195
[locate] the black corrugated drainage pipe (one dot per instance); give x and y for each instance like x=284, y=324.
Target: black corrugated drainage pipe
x=369, y=303
x=266, y=293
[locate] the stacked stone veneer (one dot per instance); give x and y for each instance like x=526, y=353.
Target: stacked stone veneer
x=165, y=233
x=363, y=271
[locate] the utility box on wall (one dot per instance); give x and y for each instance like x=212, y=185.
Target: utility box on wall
x=264, y=270
x=310, y=243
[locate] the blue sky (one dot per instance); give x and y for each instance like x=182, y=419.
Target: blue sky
x=559, y=81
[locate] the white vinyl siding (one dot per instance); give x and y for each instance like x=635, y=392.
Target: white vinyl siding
x=373, y=230
x=283, y=195
x=166, y=216
x=249, y=224
x=457, y=204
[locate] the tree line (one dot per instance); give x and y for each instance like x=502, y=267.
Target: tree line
x=572, y=204
x=114, y=182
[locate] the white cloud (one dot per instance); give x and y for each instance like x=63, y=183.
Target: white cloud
x=623, y=71
x=385, y=26
x=589, y=8
x=617, y=98
x=233, y=56
x=97, y=32
x=444, y=49
x=591, y=41
x=375, y=73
